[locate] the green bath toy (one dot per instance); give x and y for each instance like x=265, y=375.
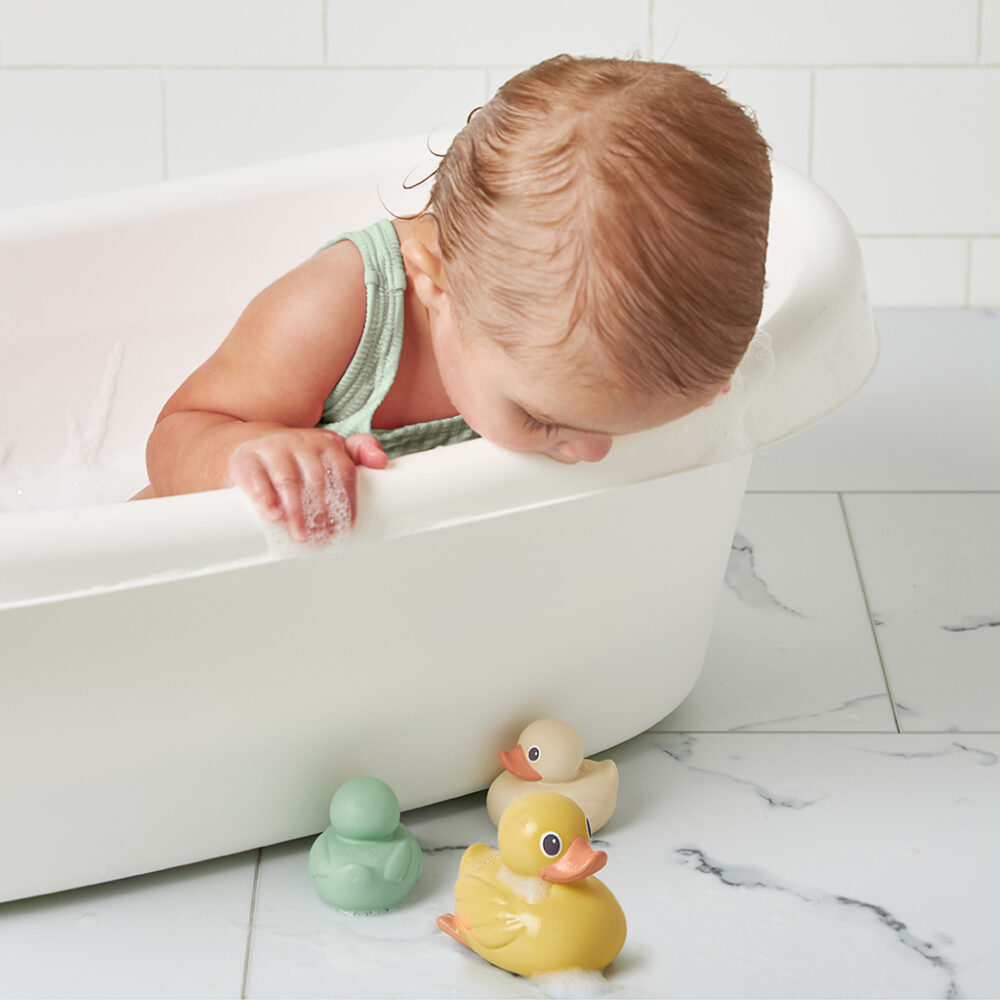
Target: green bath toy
x=366, y=859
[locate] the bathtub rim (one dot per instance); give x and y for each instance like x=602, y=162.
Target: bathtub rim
x=476, y=466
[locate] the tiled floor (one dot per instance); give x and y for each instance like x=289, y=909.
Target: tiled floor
x=820, y=818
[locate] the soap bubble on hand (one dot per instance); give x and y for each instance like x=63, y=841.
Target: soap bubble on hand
x=327, y=516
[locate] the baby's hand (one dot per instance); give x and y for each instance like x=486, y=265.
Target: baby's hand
x=305, y=477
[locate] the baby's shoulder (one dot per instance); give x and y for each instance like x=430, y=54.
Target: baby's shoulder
x=326, y=291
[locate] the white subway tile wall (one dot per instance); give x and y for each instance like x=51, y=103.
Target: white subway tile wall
x=942, y=265
x=892, y=105
x=161, y=33
x=984, y=275
x=459, y=33
x=989, y=48
x=219, y=118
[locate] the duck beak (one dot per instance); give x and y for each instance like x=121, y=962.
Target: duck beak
x=579, y=862
x=517, y=763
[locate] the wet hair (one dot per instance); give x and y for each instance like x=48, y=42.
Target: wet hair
x=636, y=191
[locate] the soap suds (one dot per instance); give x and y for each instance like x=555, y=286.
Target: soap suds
x=327, y=519
x=572, y=983
x=528, y=887
x=727, y=431
x=84, y=440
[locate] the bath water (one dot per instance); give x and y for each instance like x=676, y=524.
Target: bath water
x=85, y=473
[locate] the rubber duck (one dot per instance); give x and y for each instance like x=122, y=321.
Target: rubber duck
x=366, y=859
x=533, y=906
x=549, y=758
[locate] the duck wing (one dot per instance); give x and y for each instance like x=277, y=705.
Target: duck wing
x=404, y=861
x=489, y=913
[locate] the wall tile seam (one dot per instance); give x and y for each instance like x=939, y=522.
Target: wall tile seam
x=969, y=268
x=303, y=68
x=324, y=27
x=952, y=237
x=514, y=66
x=979, y=31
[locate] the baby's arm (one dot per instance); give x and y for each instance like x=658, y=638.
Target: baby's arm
x=247, y=417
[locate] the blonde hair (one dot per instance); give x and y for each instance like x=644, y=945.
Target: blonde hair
x=636, y=190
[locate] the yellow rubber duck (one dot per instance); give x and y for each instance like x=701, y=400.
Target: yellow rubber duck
x=549, y=758
x=533, y=907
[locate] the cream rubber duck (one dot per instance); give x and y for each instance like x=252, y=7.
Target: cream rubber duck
x=533, y=907
x=549, y=758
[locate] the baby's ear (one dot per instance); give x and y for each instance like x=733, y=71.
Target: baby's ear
x=425, y=269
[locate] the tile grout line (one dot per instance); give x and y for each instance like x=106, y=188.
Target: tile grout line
x=250, y=925
x=979, y=33
x=868, y=493
x=816, y=732
x=868, y=608
x=325, y=28
x=308, y=66
x=968, y=271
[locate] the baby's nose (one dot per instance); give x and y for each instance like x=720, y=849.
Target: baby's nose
x=591, y=448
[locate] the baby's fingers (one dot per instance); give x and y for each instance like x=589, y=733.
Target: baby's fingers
x=249, y=474
x=286, y=478
x=364, y=450
x=328, y=493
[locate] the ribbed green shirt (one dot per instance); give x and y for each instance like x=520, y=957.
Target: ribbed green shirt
x=351, y=405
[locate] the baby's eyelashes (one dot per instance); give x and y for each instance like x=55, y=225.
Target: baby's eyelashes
x=536, y=426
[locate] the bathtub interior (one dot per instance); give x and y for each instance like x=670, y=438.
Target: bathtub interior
x=108, y=303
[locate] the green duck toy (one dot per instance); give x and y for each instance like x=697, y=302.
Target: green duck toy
x=366, y=860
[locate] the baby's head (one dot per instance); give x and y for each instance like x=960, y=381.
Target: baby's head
x=604, y=224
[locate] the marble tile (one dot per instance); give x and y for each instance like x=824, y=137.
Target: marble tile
x=808, y=866
x=930, y=567
x=792, y=646
x=178, y=933
x=928, y=419
x=301, y=947
x=747, y=865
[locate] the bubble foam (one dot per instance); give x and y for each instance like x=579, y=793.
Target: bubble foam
x=727, y=431
x=572, y=983
x=327, y=515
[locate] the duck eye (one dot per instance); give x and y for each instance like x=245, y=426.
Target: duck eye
x=551, y=844
x=590, y=833
x=533, y=754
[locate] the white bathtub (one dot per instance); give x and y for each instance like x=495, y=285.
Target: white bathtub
x=173, y=686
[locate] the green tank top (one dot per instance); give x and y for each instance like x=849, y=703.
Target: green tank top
x=351, y=405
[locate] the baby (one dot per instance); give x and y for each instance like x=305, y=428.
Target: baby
x=590, y=264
